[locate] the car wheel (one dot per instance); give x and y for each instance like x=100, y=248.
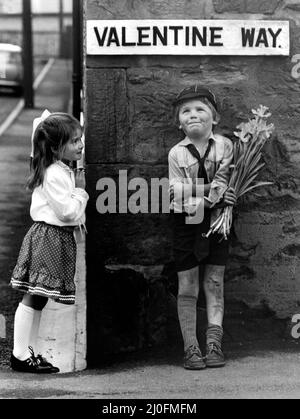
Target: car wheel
x=19, y=90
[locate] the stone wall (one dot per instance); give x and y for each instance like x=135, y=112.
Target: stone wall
x=130, y=127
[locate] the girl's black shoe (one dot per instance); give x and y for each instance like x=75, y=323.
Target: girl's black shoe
x=29, y=365
x=44, y=363
x=40, y=360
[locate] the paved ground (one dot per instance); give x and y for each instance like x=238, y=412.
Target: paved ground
x=253, y=372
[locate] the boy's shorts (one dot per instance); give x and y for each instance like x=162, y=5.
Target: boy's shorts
x=191, y=249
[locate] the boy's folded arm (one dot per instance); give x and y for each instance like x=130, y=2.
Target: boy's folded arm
x=180, y=188
x=207, y=189
x=200, y=190
x=176, y=177
x=220, y=181
x=176, y=174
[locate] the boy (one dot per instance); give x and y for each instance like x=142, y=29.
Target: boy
x=202, y=154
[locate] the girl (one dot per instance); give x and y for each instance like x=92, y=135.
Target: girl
x=46, y=264
x=201, y=155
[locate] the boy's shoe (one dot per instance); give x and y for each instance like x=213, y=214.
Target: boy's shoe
x=214, y=356
x=193, y=359
x=29, y=365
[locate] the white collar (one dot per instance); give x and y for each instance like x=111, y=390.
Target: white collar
x=64, y=166
x=186, y=141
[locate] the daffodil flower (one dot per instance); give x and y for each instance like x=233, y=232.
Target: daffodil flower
x=261, y=112
x=246, y=164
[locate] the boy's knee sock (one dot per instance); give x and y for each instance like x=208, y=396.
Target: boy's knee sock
x=187, y=314
x=35, y=330
x=214, y=334
x=22, y=328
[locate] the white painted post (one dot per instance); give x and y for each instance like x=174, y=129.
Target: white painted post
x=62, y=335
x=80, y=313
x=2, y=327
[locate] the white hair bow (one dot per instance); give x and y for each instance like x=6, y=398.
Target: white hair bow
x=36, y=122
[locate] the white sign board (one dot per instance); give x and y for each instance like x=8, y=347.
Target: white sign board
x=188, y=37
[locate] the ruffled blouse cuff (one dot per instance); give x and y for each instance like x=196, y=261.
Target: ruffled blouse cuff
x=80, y=194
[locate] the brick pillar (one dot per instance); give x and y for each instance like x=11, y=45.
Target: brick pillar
x=130, y=127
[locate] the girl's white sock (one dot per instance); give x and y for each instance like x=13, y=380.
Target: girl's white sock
x=24, y=318
x=35, y=330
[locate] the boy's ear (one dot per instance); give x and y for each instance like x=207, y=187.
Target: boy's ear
x=217, y=119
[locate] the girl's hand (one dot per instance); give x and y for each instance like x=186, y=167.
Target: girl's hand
x=171, y=192
x=229, y=198
x=80, y=178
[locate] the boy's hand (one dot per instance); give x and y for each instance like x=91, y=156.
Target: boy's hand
x=229, y=198
x=80, y=178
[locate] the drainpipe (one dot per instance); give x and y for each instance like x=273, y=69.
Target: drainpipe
x=61, y=28
x=27, y=55
x=77, y=56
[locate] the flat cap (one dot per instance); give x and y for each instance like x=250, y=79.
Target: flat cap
x=194, y=92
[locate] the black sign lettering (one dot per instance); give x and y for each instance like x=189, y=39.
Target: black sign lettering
x=262, y=38
x=248, y=37
x=274, y=36
x=113, y=37
x=99, y=38
x=142, y=36
x=201, y=37
x=176, y=29
x=162, y=37
x=187, y=36
x=124, y=41
x=214, y=36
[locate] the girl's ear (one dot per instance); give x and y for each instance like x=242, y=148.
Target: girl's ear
x=56, y=153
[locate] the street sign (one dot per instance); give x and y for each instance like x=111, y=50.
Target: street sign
x=188, y=37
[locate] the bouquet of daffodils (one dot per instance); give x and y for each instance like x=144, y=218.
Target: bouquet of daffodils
x=247, y=164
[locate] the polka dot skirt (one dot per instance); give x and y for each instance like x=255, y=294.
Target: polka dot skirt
x=47, y=263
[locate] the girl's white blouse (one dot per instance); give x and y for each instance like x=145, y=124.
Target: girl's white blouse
x=58, y=201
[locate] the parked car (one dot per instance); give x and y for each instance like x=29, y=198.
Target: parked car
x=11, y=68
